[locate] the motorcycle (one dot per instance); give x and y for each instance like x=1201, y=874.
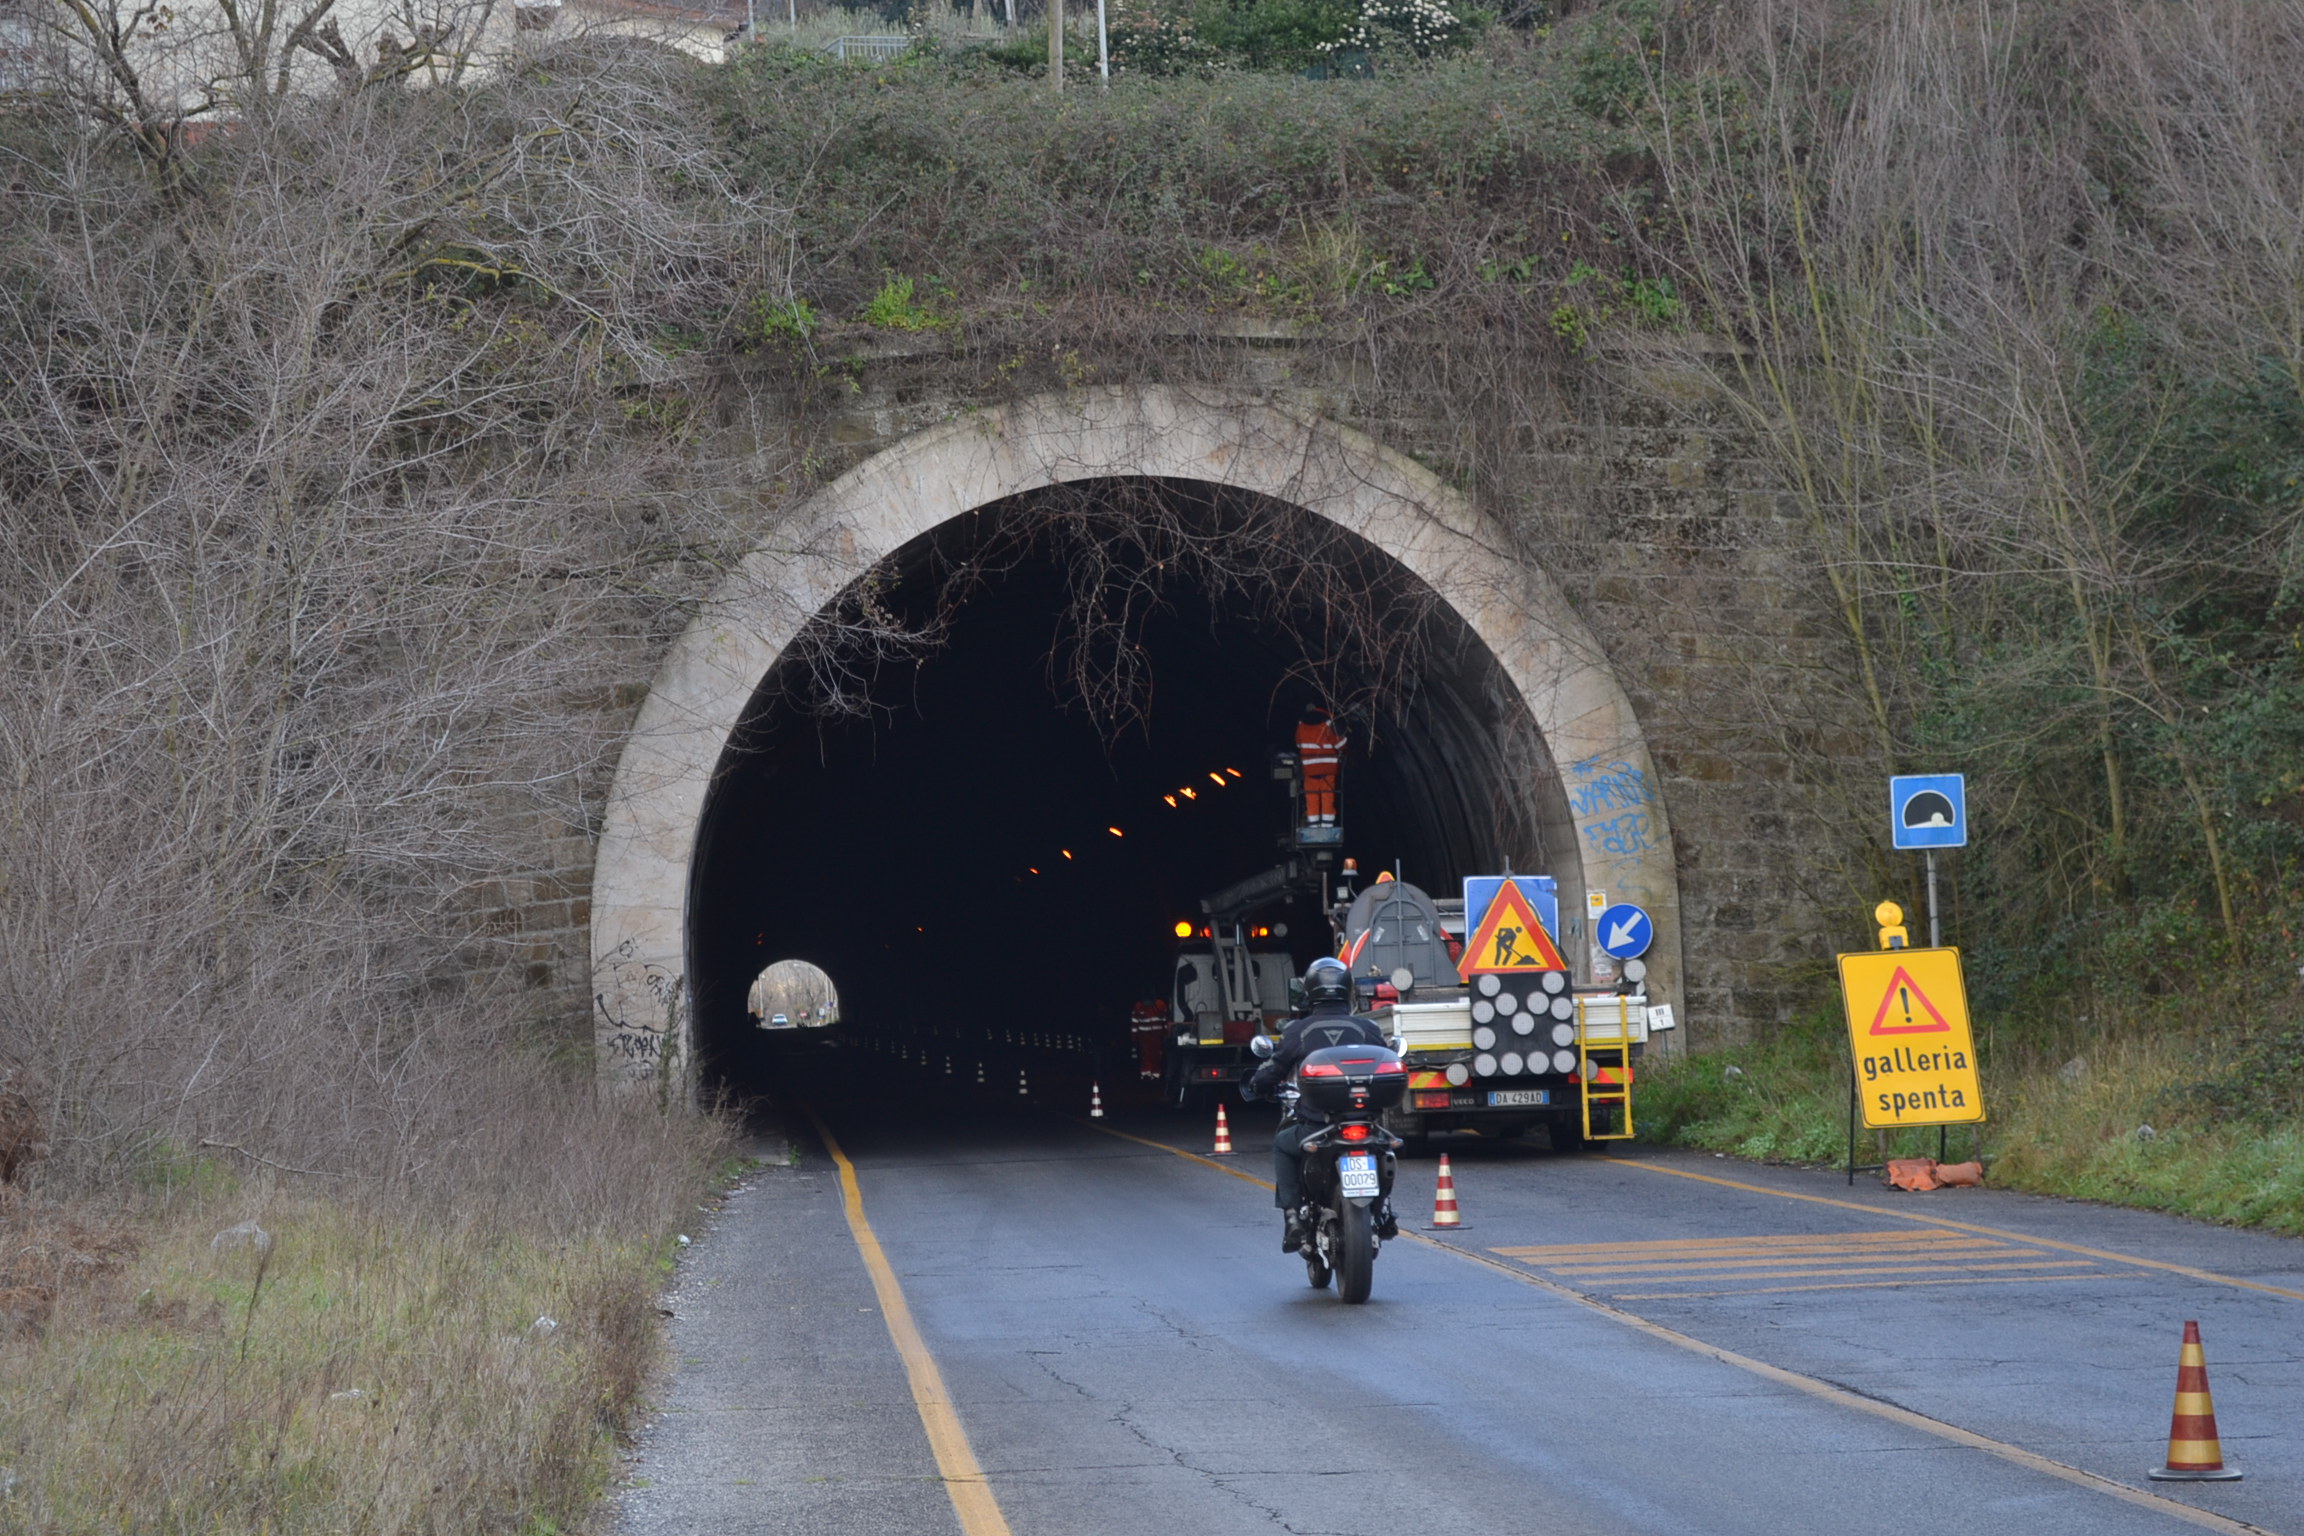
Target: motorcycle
x=1348, y=1163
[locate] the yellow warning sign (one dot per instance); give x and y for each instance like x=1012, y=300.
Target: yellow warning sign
x=1511, y=938
x=1908, y=1028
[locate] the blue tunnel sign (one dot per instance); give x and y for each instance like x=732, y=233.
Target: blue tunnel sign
x=1929, y=810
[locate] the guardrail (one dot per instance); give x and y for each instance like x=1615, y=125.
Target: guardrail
x=845, y=48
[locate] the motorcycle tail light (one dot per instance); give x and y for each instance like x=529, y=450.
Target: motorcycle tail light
x=1352, y=1133
x=1320, y=1069
x=1390, y=1068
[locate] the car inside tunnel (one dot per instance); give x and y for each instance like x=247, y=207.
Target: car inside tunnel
x=991, y=859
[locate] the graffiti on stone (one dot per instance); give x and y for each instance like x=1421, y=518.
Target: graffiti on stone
x=639, y=1009
x=1598, y=786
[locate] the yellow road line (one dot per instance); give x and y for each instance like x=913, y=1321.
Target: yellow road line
x=1948, y=1224
x=1190, y=1157
x=963, y=1479
x=1998, y=1253
x=1794, y=1243
x=1673, y=1274
x=1862, y=1285
x=1824, y=1390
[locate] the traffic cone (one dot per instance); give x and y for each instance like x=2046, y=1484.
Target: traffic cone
x=1022, y=1091
x=1095, y=1101
x=1444, y=1213
x=2194, y=1453
x=1223, y=1134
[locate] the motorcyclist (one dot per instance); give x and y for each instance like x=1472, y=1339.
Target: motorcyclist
x=1328, y=1020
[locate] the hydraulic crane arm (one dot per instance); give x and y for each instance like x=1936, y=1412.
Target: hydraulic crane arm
x=1236, y=901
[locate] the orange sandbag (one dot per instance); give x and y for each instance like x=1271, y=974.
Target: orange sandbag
x=1964, y=1175
x=1912, y=1172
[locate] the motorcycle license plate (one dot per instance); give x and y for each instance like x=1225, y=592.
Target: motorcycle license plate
x=1513, y=1098
x=1356, y=1172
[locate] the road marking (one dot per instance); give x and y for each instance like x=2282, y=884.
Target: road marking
x=1948, y=1224
x=1857, y=1285
x=963, y=1479
x=1893, y=1257
x=1826, y=1391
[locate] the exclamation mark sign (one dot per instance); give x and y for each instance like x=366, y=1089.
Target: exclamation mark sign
x=1904, y=996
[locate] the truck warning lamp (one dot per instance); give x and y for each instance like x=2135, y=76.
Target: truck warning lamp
x=1183, y=930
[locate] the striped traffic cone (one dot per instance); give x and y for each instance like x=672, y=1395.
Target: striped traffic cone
x=1095, y=1101
x=1444, y=1213
x=2194, y=1453
x=1223, y=1134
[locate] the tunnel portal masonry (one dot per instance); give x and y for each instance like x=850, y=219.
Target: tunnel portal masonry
x=641, y=921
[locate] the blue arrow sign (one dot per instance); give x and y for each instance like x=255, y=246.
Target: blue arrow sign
x=1929, y=810
x=1624, y=931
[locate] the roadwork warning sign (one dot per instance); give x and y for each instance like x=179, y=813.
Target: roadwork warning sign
x=1510, y=938
x=1908, y=1030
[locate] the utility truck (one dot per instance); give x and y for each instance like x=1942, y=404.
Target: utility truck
x=1497, y=1038
x=1233, y=978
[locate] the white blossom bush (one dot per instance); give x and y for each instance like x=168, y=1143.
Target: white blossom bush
x=1425, y=27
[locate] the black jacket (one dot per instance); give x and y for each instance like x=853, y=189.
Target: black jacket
x=1326, y=1025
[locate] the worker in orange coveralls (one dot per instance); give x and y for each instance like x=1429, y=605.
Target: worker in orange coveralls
x=1319, y=750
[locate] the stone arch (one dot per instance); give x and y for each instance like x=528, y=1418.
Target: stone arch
x=1544, y=649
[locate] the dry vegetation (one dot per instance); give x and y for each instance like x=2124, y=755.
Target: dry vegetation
x=2020, y=298
x=334, y=488
x=345, y=449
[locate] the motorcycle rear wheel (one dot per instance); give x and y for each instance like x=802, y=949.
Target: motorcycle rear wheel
x=1355, y=1253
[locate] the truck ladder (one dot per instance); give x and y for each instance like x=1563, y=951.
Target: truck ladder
x=1615, y=1086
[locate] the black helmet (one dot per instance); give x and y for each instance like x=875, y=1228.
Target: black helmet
x=1327, y=981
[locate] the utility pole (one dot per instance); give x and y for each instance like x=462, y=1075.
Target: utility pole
x=1056, y=46
x=1103, y=50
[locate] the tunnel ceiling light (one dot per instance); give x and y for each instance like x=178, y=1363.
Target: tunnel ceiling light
x=1221, y=781
x=1065, y=851
x=1234, y=772
x=1115, y=831
x=1034, y=871
x=1189, y=793
x=1171, y=799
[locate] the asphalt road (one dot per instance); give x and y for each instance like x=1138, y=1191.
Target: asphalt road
x=1611, y=1344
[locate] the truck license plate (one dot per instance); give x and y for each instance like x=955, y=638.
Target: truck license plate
x=1356, y=1173
x=1514, y=1098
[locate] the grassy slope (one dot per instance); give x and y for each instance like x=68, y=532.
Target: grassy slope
x=2062, y=1124
x=388, y=1374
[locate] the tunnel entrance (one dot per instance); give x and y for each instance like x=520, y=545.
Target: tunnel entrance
x=998, y=833
x=741, y=826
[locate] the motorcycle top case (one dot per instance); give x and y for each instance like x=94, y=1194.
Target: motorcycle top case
x=1345, y=1078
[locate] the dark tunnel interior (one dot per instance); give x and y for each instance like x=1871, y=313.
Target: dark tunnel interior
x=948, y=855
